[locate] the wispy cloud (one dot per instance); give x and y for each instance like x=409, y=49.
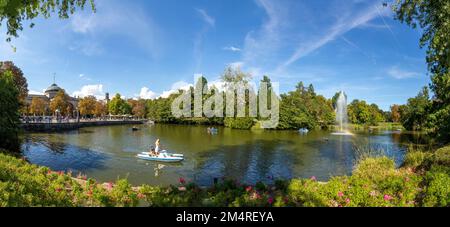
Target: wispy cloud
x=84, y=77
x=233, y=49
x=352, y=44
x=238, y=64
x=341, y=27
x=207, y=18
x=400, y=74
x=114, y=18
x=199, y=38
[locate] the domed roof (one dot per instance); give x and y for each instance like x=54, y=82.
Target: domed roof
x=53, y=87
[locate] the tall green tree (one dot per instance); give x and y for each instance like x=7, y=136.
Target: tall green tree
x=231, y=77
x=9, y=112
x=359, y=112
x=14, y=12
x=303, y=108
x=119, y=106
x=19, y=80
x=414, y=114
x=433, y=17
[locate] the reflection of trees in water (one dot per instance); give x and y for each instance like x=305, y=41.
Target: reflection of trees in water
x=416, y=140
x=48, y=141
x=250, y=162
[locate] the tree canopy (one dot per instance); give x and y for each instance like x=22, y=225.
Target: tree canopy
x=18, y=78
x=60, y=103
x=13, y=13
x=119, y=106
x=433, y=17
x=9, y=112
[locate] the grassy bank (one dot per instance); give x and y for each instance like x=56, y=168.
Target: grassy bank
x=423, y=180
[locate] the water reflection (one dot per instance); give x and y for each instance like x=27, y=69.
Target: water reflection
x=248, y=156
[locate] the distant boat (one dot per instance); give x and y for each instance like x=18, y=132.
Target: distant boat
x=135, y=128
x=213, y=130
x=303, y=131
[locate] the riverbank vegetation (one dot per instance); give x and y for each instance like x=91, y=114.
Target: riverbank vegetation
x=300, y=108
x=423, y=180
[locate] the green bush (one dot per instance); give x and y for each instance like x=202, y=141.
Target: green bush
x=415, y=159
x=437, y=191
x=9, y=113
x=239, y=122
x=375, y=183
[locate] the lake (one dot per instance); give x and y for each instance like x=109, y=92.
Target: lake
x=106, y=153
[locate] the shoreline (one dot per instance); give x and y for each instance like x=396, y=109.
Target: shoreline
x=67, y=126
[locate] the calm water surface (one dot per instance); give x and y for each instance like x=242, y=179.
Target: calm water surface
x=106, y=153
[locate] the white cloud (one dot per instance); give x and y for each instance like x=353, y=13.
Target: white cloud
x=208, y=19
x=146, y=93
x=232, y=48
x=90, y=90
x=32, y=92
x=84, y=77
x=400, y=74
x=180, y=85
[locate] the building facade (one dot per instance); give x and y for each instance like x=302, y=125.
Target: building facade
x=50, y=94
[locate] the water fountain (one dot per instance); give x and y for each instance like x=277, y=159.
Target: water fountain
x=342, y=115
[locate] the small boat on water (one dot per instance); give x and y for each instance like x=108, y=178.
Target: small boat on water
x=162, y=157
x=135, y=128
x=212, y=130
x=303, y=131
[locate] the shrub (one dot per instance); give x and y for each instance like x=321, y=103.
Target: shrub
x=442, y=156
x=239, y=122
x=415, y=159
x=437, y=191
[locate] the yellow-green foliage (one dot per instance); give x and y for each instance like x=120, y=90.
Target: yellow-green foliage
x=414, y=159
x=375, y=183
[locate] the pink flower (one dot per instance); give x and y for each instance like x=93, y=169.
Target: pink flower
x=387, y=197
x=249, y=188
x=347, y=200
x=109, y=185
x=340, y=194
x=182, y=180
x=270, y=200
x=181, y=189
x=140, y=196
x=313, y=178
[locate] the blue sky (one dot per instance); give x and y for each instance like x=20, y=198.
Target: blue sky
x=147, y=48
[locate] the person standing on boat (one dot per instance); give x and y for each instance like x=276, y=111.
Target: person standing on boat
x=157, y=144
